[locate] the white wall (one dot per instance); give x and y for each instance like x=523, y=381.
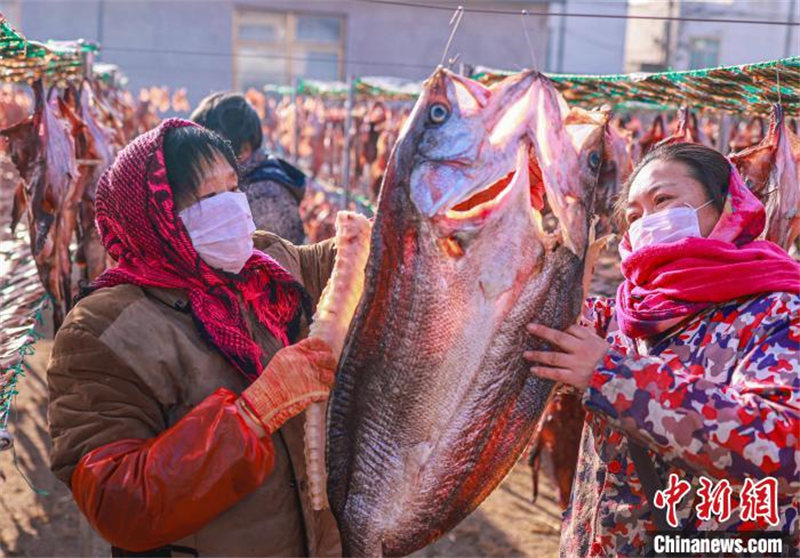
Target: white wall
x=644, y=39
x=591, y=45
x=740, y=43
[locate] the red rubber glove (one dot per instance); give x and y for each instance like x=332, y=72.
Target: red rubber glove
x=297, y=376
x=143, y=494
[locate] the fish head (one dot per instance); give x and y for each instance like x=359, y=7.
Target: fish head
x=475, y=156
x=603, y=155
x=459, y=149
x=587, y=131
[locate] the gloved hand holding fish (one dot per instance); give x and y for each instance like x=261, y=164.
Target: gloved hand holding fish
x=433, y=402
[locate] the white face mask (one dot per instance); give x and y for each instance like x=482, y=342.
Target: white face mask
x=664, y=227
x=221, y=228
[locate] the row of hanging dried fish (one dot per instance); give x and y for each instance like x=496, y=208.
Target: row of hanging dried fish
x=59, y=151
x=312, y=130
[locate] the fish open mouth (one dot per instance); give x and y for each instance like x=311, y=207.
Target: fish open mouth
x=485, y=200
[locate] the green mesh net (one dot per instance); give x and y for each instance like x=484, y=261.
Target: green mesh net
x=750, y=88
x=369, y=86
x=23, y=61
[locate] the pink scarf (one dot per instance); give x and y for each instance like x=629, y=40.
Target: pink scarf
x=665, y=283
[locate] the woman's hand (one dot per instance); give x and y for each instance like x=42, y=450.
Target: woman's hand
x=581, y=349
x=296, y=377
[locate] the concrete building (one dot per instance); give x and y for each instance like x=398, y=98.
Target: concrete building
x=684, y=45
x=208, y=45
x=587, y=45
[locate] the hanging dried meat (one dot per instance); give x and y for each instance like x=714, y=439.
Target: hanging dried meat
x=102, y=146
x=771, y=170
x=747, y=134
x=558, y=435
x=54, y=203
x=15, y=104
x=43, y=150
x=687, y=130
x=656, y=133
x=24, y=148
x=386, y=141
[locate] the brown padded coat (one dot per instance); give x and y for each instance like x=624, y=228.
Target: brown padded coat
x=129, y=362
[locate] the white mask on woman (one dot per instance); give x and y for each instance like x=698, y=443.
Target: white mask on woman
x=664, y=227
x=221, y=228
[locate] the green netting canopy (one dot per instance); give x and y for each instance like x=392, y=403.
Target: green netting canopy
x=368, y=86
x=273, y=89
x=23, y=61
x=322, y=88
x=750, y=88
x=389, y=87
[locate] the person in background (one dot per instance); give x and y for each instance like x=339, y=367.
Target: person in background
x=274, y=188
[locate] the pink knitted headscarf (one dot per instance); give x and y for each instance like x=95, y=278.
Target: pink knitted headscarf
x=141, y=230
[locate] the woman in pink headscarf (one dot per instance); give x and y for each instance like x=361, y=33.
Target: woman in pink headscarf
x=178, y=381
x=691, y=377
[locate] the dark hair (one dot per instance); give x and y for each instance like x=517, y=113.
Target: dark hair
x=187, y=152
x=708, y=166
x=231, y=116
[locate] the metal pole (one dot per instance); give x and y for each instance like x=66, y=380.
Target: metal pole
x=723, y=133
x=101, y=9
x=296, y=133
x=787, y=49
x=668, y=35
x=562, y=31
x=348, y=121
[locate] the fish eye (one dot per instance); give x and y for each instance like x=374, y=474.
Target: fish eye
x=438, y=113
x=594, y=160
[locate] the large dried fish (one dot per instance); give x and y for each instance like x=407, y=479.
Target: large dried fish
x=433, y=402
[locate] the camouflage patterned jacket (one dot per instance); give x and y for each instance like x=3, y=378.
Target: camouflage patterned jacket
x=718, y=397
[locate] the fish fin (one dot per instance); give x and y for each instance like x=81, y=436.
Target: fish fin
x=592, y=254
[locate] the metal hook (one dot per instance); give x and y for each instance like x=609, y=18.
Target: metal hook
x=452, y=60
x=455, y=21
x=528, y=40
x=778, y=78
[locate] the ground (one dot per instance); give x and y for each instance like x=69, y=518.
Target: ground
x=38, y=524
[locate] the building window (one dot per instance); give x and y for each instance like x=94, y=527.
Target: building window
x=276, y=47
x=703, y=53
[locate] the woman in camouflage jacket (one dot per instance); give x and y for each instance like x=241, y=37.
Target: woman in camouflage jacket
x=697, y=360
